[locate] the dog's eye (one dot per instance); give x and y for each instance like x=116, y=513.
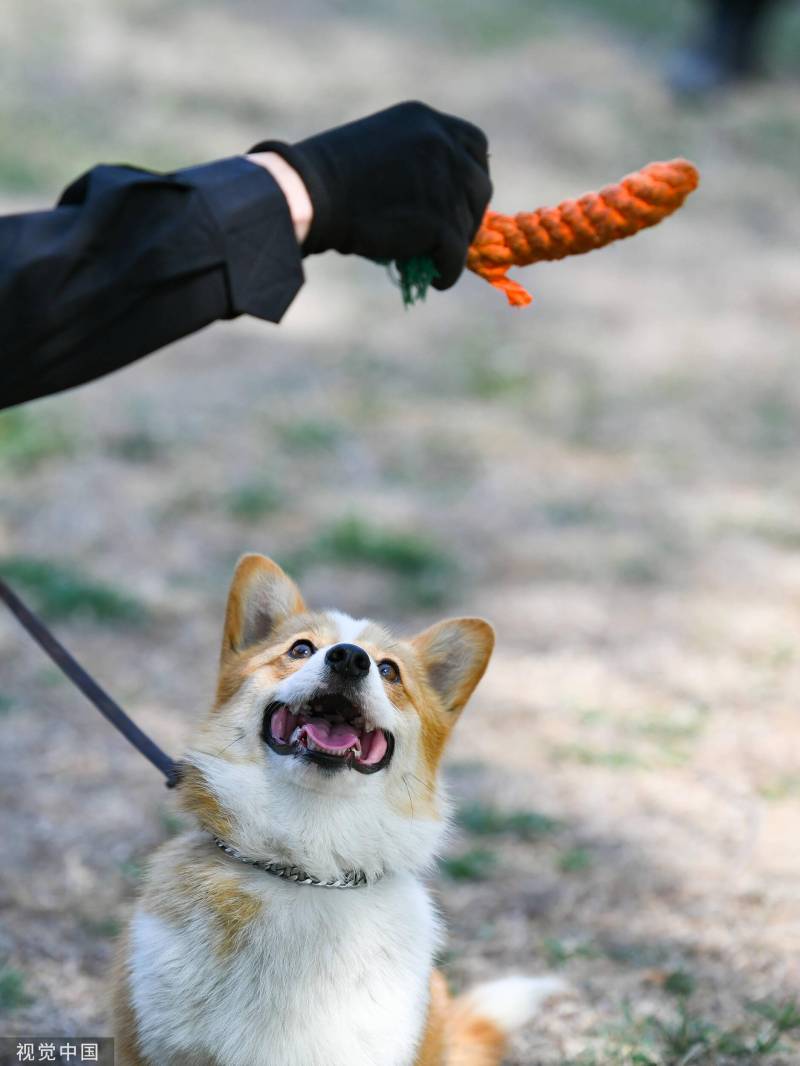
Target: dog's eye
x=301, y=649
x=388, y=670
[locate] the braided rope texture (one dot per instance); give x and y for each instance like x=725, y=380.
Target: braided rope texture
x=640, y=200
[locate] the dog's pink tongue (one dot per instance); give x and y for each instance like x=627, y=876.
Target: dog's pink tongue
x=373, y=747
x=339, y=737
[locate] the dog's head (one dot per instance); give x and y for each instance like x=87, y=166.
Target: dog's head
x=324, y=744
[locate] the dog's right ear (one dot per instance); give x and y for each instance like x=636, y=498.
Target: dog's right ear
x=260, y=597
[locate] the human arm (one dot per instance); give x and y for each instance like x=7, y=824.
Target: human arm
x=130, y=260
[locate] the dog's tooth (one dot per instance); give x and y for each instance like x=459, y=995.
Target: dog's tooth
x=369, y=728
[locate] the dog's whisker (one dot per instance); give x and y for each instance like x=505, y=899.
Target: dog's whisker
x=427, y=785
x=242, y=736
x=221, y=751
x=408, y=790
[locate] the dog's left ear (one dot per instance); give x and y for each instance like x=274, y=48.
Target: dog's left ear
x=454, y=655
x=261, y=596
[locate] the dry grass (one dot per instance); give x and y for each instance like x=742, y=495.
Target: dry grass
x=610, y=476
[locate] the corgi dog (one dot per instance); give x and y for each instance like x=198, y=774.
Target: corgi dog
x=290, y=926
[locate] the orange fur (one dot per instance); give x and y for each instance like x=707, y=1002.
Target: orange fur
x=196, y=798
x=181, y=881
x=473, y=1041
x=434, y=1043
x=455, y=1034
x=125, y=1027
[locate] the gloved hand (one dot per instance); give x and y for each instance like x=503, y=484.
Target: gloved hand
x=404, y=182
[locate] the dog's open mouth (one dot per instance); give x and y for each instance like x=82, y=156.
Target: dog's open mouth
x=329, y=730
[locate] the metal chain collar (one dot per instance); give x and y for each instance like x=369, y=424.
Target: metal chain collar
x=352, y=879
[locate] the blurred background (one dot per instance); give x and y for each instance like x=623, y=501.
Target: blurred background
x=611, y=476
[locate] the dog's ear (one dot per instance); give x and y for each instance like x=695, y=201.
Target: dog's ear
x=261, y=596
x=454, y=655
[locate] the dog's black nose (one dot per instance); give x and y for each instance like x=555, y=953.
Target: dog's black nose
x=348, y=660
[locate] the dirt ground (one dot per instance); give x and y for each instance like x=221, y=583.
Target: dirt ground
x=610, y=476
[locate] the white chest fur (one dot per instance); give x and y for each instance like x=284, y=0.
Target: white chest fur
x=323, y=977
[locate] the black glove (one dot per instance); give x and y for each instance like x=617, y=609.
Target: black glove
x=404, y=182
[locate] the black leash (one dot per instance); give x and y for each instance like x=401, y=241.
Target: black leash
x=109, y=708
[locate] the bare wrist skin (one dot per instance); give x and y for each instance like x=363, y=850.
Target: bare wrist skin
x=300, y=206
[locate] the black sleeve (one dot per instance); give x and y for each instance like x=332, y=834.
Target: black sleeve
x=129, y=261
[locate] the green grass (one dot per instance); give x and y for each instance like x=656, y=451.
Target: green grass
x=666, y=730
x=354, y=541
x=662, y=736
x=640, y=570
x=612, y=759
x=565, y=512
x=62, y=591
x=575, y=860
x=781, y=1017
x=638, y=954
x=139, y=445
x=102, y=928
x=311, y=436
x=436, y=465
x=49, y=676
x=780, y=534
x=779, y=655
x=251, y=501
x=482, y=820
x=132, y=871
x=671, y=734
x=689, y=1034
x=494, y=26
x=592, y=716
x=772, y=138
x=18, y=174
x=490, y=380
x=679, y=983
x=776, y=420
x=477, y=864
x=785, y=787
x=665, y=736
x=663, y=21
x=782, y=43
x=171, y=822
x=683, y=1036
x=28, y=439
x=558, y=952
x=48, y=145
x=12, y=989
x=424, y=572
x=188, y=502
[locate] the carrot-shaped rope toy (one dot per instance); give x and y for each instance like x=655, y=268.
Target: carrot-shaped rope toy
x=640, y=200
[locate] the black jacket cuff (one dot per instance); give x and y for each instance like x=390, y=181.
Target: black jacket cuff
x=262, y=258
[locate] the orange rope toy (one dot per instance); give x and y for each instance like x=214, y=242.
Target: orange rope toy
x=640, y=200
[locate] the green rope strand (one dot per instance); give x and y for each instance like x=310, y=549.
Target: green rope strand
x=416, y=275
x=413, y=277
